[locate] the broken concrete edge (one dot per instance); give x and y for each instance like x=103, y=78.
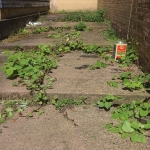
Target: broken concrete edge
x=87, y=98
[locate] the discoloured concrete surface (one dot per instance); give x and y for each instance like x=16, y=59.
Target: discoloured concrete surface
x=82, y=129
x=76, y=128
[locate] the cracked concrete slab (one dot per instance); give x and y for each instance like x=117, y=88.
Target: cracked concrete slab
x=82, y=129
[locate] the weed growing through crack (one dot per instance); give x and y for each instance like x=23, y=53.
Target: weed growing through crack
x=10, y=107
x=41, y=29
x=98, y=65
x=107, y=101
x=59, y=103
x=133, y=117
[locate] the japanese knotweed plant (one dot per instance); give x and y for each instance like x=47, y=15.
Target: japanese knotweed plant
x=132, y=82
x=133, y=120
x=107, y=101
x=31, y=68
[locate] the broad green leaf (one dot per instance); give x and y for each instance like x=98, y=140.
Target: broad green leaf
x=113, y=130
x=127, y=127
x=148, y=121
x=135, y=125
x=10, y=114
x=109, y=125
x=100, y=104
x=110, y=97
x=146, y=126
x=40, y=112
x=55, y=97
x=9, y=109
x=126, y=82
x=125, y=75
x=108, y=104
x=30, y=115
x=115, y=84
x=98, y=64
x=54, y=64
x=141, y=138
x=130, y=113
x=40, y=103
x=115, y=115
x=2, y=120
x=10, y=71
x=124, y=116
x=124, y=135
x=133, y=137
x=143, y=113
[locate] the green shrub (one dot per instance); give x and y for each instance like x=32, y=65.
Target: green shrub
x=81, y=26
x=87, y=16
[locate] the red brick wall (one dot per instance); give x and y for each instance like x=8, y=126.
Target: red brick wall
x=132, y=20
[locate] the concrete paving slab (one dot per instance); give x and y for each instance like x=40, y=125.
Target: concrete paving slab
x=74, y=79
x=94, y=36
x=81, y=129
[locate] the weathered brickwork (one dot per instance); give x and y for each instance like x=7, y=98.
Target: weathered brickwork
x=131, y=18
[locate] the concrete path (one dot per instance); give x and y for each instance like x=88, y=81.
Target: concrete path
x=77, y=128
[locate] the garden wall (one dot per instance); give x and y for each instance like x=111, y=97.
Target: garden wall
x=131, y=18
x=15, y=14
x=73, y=5
x=17, y=8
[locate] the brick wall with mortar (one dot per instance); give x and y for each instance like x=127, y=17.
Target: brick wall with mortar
x=131, y=18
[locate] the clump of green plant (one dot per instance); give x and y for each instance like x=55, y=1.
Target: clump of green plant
x=98, y=65
x=81, y=26
x=55, y=36
x=31, y=67
x=10, y=107
x=113, y=84
x=59, y=103
x=136, y=82
x=41, y=29
x=23, y=31
x=132, y=119
x=110, y=34
x=107, y=101
x=87, y=16
x=132, y=82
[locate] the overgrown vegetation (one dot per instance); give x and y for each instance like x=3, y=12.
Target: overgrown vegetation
x=81, y=26
x=87, y=16
x=132, y=82
x=10, y=107
x=133, y=117
x=110, y=34
x=32, y=69
x=59, y=103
